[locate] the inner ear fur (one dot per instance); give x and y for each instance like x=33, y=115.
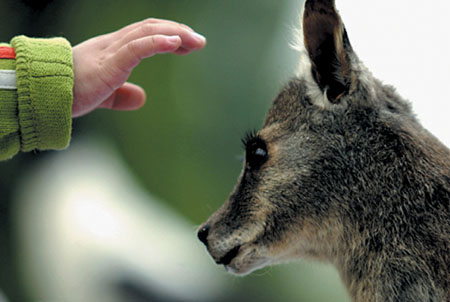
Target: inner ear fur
x=328, y=47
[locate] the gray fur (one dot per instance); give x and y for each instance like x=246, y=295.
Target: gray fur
x=358, y=182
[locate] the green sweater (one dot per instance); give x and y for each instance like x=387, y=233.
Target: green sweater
x=36, y=92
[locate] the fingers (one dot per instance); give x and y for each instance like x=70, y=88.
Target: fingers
x=128, y=97
x=123, y=31
x=190, y=39
x=129, y=55
x=103, y=64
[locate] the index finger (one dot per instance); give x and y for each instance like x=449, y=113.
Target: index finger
x=125, y=30
x=190, y=40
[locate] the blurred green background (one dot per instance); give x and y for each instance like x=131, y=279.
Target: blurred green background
x=184, y=145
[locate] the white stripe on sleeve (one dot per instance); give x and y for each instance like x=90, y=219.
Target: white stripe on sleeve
x=8, y=79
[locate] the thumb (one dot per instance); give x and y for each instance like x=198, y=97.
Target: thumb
x=127, y=97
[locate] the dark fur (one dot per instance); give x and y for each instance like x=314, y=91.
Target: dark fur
x=357, y=182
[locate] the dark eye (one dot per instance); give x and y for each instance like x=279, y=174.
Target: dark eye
x=256, y=153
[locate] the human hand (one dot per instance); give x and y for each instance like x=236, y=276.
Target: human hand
x=103, y=64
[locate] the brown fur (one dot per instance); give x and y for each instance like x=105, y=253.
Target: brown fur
x=343, y=172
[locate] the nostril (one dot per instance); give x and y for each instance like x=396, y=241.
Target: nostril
x=203, y=234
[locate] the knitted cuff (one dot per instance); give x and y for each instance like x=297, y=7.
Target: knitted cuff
x=9, y=124
x=45, y=92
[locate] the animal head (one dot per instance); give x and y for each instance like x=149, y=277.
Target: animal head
x=331, y=150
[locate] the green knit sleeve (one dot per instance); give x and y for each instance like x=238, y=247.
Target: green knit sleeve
x=9, y=123
x=38, y=113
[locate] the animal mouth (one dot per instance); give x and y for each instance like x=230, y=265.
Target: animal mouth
x=228, y=257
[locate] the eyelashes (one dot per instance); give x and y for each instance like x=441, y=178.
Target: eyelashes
x=250, y=137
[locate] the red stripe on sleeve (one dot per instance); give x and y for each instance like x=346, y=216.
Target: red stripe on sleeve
x=7, y=52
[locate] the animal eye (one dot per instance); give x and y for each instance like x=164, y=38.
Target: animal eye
x=256, y=153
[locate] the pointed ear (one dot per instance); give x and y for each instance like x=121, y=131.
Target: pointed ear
x=328, y=47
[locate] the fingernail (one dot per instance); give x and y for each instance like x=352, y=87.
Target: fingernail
x=173, y=39
x=199, y=37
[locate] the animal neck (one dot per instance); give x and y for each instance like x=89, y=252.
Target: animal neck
x=359, y=279
x=360, y=262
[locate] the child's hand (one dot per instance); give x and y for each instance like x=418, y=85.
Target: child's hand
x=103, y=64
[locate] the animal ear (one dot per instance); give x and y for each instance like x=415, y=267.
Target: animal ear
x=328, y=47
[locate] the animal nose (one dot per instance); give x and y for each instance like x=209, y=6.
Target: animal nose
x=203, y=234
